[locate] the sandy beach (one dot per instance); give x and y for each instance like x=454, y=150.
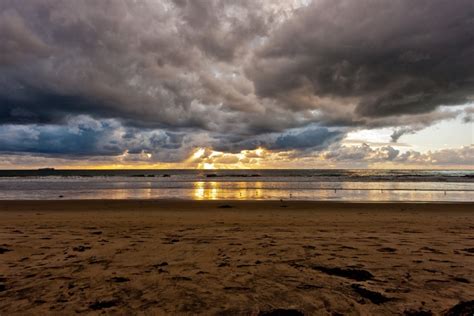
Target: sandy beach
x=235, y=258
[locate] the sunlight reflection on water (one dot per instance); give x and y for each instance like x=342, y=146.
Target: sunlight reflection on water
x=126, y=188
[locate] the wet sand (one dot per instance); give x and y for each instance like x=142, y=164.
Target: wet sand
x=235, y=258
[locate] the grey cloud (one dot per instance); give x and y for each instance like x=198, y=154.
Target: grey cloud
x=302, y=139
x=345, y=153
x=316, y=138
x=19, y=43
x=57, y=140
x=400, y=132
x=468, y=115
x=366, y=155
x=86, y=137
x=221, y=35
x=462, y=156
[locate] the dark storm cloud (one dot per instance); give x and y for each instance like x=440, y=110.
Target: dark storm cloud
x=177, y=74
x=147, y=63
x=377, y=58
x=44, y=107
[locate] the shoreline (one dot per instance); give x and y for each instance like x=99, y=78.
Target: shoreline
x=273, y=202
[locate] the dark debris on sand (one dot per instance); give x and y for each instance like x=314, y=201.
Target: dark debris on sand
x=225, y=206
x=374, y=297
x=281, y=312
x=81, y=248
x=237, y=288
x=387, y=249
x=98, y=305
x=461, y=280
x=306, y=286
x=161, y=264
x=3, y=250
x=181, y=278
x=461, y=309
x=354, y=274
x=119, y=279
x=419, y=312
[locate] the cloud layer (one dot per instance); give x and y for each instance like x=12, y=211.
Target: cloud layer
x=101, y=78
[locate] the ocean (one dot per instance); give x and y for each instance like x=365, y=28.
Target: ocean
x=323, y=185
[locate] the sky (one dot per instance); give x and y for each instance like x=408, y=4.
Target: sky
x=237, y=84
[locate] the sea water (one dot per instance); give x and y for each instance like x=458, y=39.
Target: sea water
x=334, y=185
